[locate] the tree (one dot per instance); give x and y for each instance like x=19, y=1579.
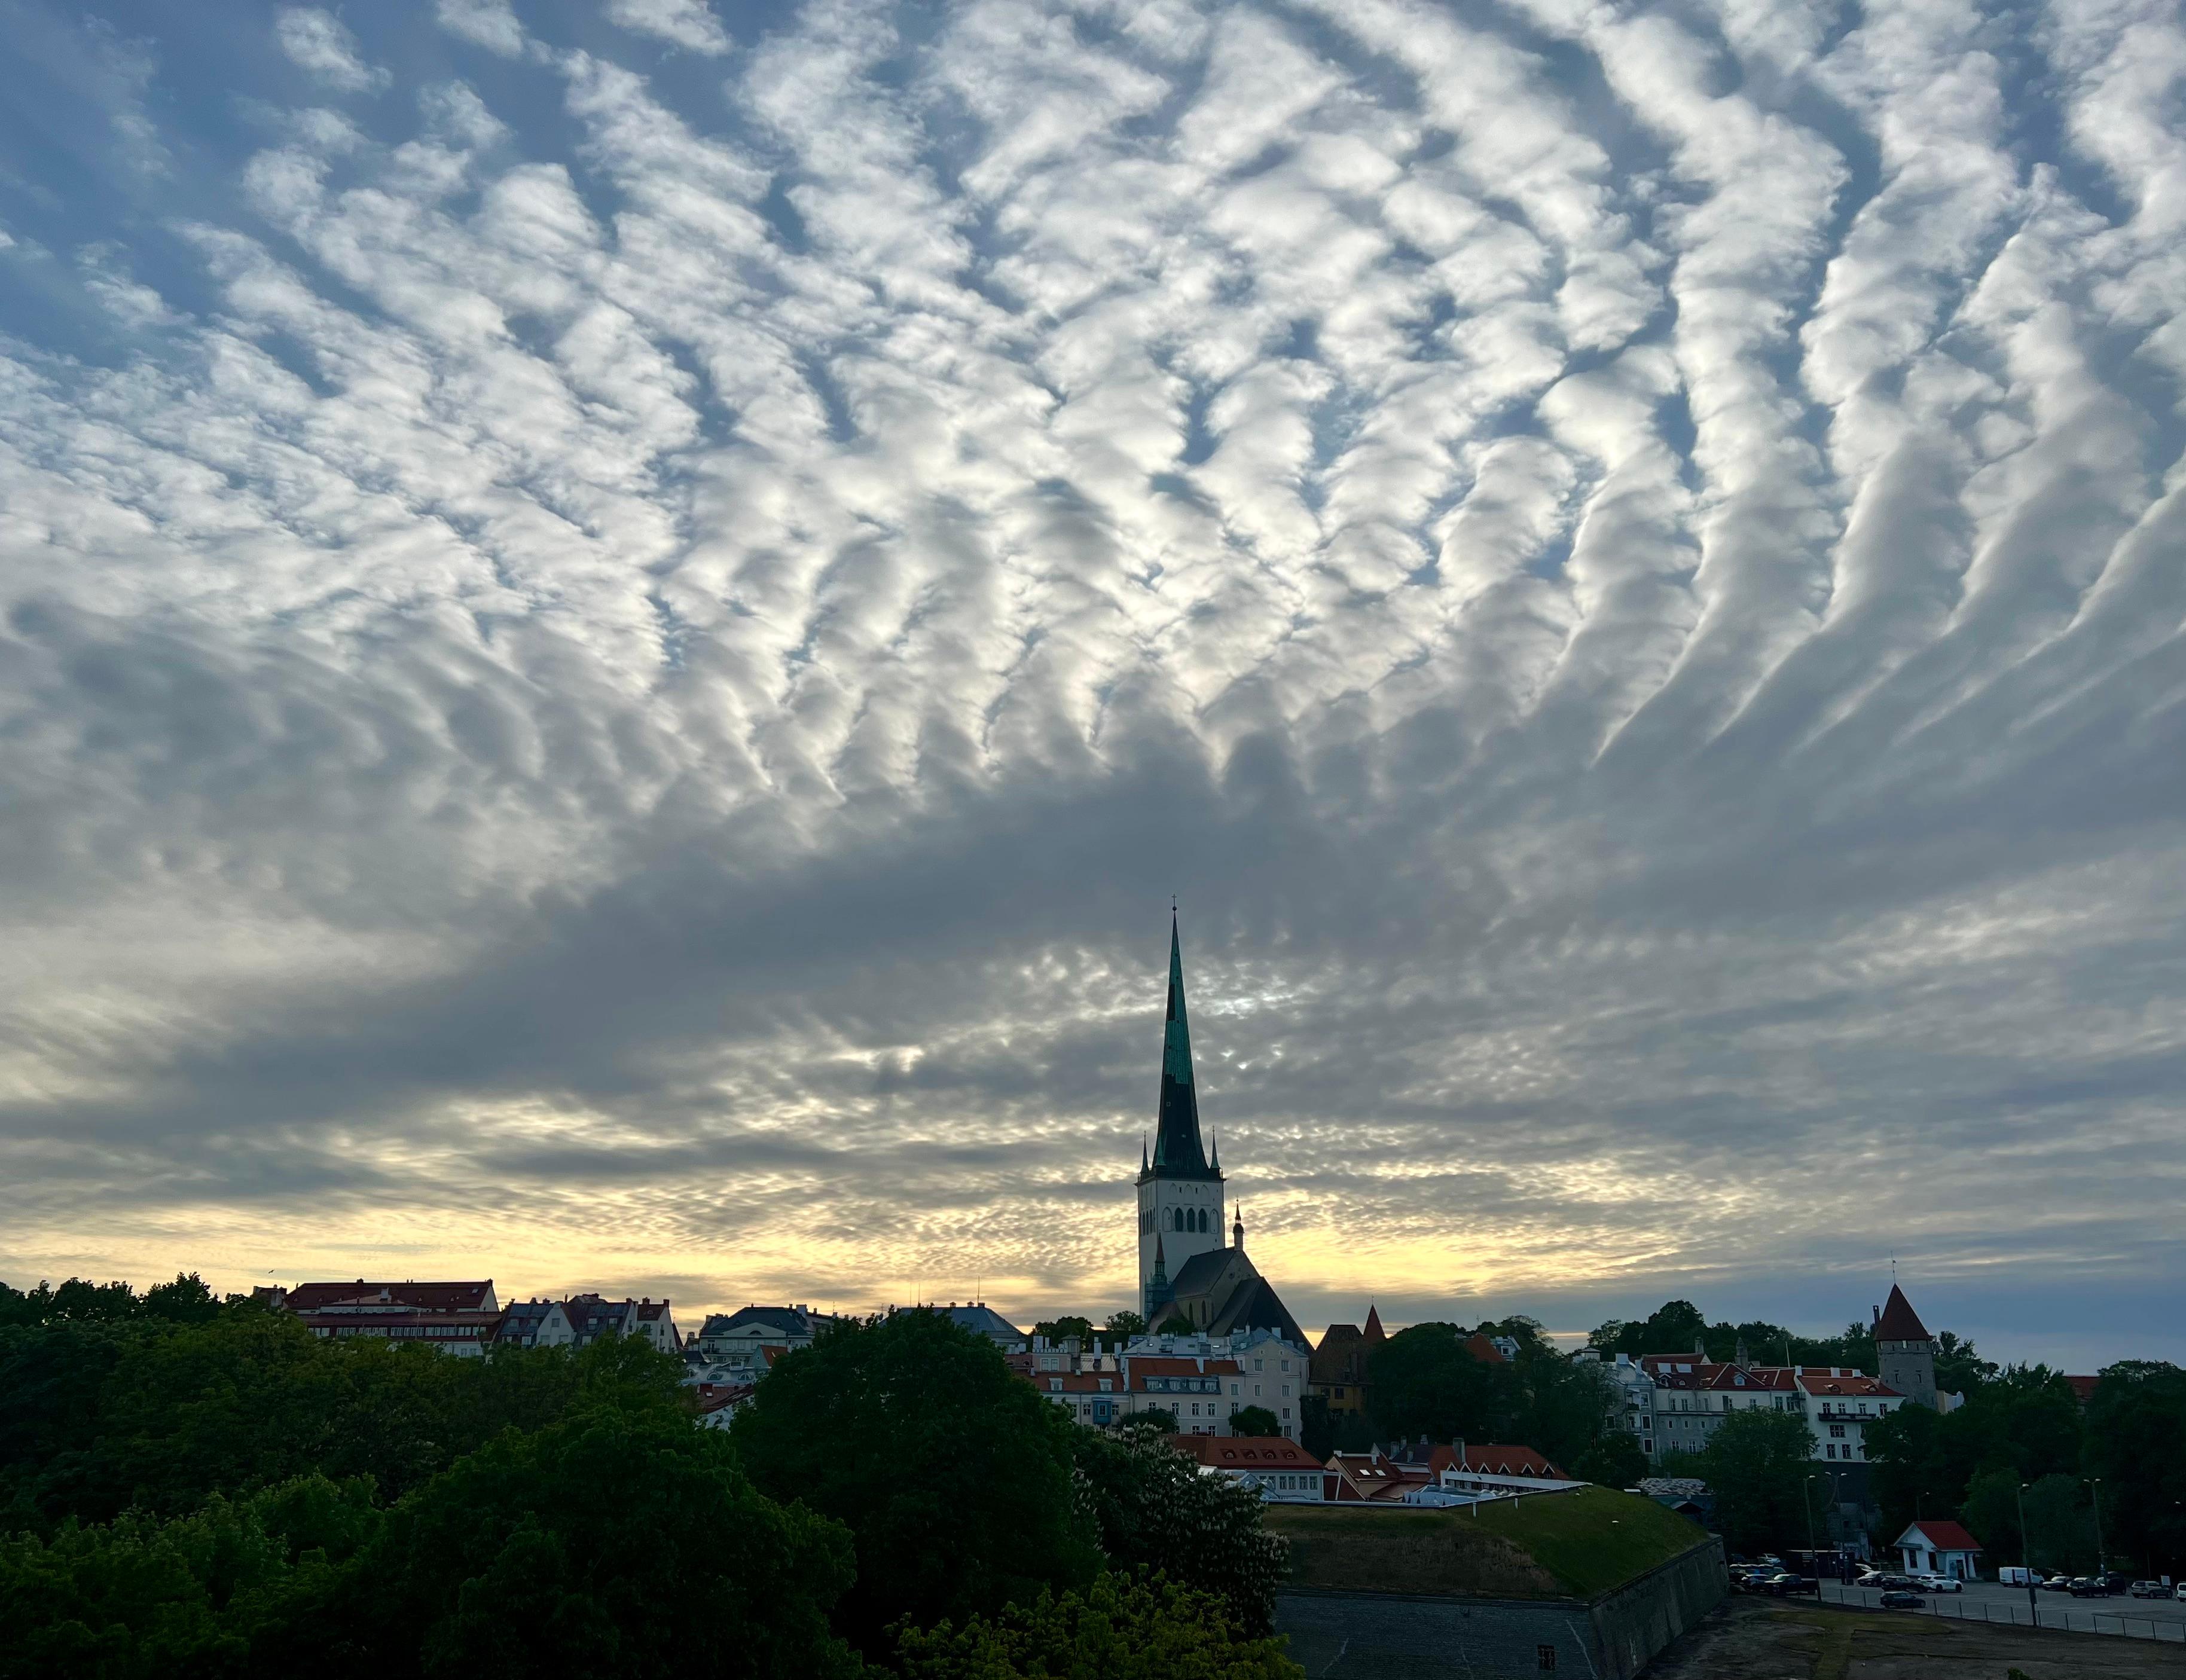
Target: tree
x=1126, y=1324
x=1177, y=1324
x=1156, y=1514
x=1562, y=1404
x=1959, y=1369
x=1614, y=1461
x=1057, y=1329
x=1154, y=1421
x=954, y=1476
x=1757, y=1464
x=1424, y=1382
x=1119, y=1629
x=1255, y=1420
x=2060, y=1527
x=1316, y=1427
x=1991, y=1510
x=2136, y=1443
x=618, y=1541
x=104, y=1416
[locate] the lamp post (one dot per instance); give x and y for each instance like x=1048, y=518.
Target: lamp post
x=2027, y=1554
x=1807, y=1504
x=2102, y=1557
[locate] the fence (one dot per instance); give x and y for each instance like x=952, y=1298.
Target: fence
x=2058, y=1618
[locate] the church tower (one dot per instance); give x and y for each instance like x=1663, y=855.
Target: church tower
x=1180, y=1187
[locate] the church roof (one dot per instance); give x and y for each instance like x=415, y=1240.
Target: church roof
x=1254, y=1305
x=1899, y=1322
x=1200, y=1272
x=1178, y=1151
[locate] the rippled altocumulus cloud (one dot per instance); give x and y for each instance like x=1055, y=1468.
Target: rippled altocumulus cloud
x=619, y=620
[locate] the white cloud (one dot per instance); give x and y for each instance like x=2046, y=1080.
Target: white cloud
x=683, y=23
x=318, y=44
x=490, y=24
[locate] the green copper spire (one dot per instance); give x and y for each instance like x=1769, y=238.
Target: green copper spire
x=1177, y=1150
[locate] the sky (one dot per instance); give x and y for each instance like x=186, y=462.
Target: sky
x=619, y=620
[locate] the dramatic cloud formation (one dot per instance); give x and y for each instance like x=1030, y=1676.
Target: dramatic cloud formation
x=617, y=621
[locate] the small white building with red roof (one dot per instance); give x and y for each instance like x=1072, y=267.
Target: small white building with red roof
x=1932, y=1547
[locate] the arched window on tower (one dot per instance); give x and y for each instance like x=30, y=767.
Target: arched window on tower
x=1203, y=1220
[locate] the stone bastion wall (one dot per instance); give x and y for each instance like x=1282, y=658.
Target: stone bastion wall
x=1397, y=1636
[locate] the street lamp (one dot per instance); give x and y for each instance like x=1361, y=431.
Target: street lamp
x=2026, y=1554
x=2102, y=1557
x=1807, y=1503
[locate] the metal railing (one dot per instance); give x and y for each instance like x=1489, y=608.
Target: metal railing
x=2058, y=1618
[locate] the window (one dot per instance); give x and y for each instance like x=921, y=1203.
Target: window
x=1546, y=1656
x=1836, y=1432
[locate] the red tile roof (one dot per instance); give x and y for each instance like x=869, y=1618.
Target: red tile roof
x=2084, y=1387
x=424, y=1297
x=1835, y=1380
x=1483, y=1350
x=1245, y=1452
x=1374, y=1330
x=1944, y=1536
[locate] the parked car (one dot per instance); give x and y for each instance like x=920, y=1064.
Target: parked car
x=1788, y=1585
x=2086, y=1587
x=2179, y=1592
x=2114, y=1581
x=2058, y=1583
x=2150, y=1589
x=1899, y=1598
x=1939, y=1583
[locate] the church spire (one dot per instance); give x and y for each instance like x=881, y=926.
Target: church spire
x=1178, y=1152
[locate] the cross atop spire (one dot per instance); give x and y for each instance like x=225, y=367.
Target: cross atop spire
x=1178, y=1151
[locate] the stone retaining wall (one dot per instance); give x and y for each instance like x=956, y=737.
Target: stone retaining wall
x=1393, y=1636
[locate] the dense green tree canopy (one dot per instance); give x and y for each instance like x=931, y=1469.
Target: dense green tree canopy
x=1757, y=1464
x=1119, y=1629
x=1424, y=1383
x=954, y=1476
x=1154, y=1513
x=1255, y=1420
x=1614, y=1460
x=1677, y=1326
x=621, y=1541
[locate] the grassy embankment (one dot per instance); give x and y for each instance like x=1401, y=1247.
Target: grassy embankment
x=1562, y=1545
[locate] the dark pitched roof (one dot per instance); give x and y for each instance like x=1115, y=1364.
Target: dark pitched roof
x=1178, y=1151
x=1201, y=1271
x=1256, y=1306
x=786, y=1319
x=1489, y=1353
x=1899, y=1322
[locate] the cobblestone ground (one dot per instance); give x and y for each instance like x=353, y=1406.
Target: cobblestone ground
x=1757, y=1639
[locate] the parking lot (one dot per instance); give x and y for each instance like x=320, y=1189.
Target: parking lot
x=2163, y=1618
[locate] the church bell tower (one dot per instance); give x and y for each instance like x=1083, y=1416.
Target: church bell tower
x=1180, y=1208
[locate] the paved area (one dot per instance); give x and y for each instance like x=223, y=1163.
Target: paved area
x=1986, y=1601
x=1749, y=1638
